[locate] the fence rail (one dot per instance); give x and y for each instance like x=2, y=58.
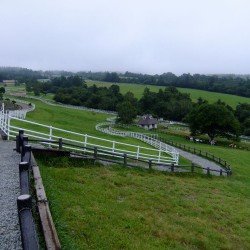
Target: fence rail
x=161, y=155
x=107, y=127
x=98, y=153
x=199, y=152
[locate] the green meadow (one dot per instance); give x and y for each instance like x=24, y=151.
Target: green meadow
x=115, y=207
x=212, y=97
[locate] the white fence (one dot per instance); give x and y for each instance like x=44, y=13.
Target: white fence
x=11, y=126
x=107, y=127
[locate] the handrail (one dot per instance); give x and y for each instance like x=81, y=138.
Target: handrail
x=24, y=201
x=161, y=154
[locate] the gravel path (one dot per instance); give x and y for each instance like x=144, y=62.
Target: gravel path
x=200, y=161
x=10, y=236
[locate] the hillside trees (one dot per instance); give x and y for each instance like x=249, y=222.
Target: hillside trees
x=168, y=103
x=2, y=91
x=213, y=120
x=243, y=114
x=127, y=109
x=111, y=77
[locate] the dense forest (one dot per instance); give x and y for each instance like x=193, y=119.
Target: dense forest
x=230, y=84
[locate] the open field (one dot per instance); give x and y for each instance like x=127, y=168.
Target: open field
x=212, y=97
x=115, y=207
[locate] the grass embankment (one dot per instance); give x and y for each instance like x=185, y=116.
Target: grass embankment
x=211, y=97
x=123, y=208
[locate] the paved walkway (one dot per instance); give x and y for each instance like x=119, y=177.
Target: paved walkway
x=200, y=161
x=10, y=236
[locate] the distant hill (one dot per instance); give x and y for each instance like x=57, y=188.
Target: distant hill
x=221, y=83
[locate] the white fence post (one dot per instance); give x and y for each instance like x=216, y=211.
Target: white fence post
x=50, y=134
x=159, y=156
x=85, y=142
x=138, y=152
x=8, y=127
x=113, y=147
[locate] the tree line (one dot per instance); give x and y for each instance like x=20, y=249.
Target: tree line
x=168, y=103
x=229, y=84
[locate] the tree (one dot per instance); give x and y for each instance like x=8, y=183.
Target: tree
x=243, y=114
x=2, y=91
x=111, y=77
x=214, y=120
x=126, y=112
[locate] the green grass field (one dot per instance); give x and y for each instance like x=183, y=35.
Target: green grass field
x=96, y=207
x=212, y=97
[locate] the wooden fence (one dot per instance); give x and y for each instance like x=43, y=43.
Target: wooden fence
x=196, y=151
x=24, y=201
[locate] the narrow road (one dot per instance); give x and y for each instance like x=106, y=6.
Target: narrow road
x=200, y=161
x=10, y=236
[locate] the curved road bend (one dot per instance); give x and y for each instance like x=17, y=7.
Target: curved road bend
x=200, y=161
x=10, y=236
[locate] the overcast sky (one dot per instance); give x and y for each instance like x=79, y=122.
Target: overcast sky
x=146, y=36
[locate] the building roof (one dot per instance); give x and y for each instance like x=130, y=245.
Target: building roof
x=147, y=120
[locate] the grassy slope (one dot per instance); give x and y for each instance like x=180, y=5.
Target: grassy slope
x=231, y=100
x=123, y=208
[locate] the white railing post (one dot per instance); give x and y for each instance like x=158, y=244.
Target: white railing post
x=2, y=115
x=159, y=156
x=50, y=134
x=5, y=122
x=8, y=127
x=113, y=147
x=85, y=142
x=138, y=152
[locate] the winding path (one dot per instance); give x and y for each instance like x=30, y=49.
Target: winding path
x=10, y=236
x=200, y=161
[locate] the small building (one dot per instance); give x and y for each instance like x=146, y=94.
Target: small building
x=148, y=122
x=9, y=82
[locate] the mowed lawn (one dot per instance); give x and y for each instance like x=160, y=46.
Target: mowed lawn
x=212, y=97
